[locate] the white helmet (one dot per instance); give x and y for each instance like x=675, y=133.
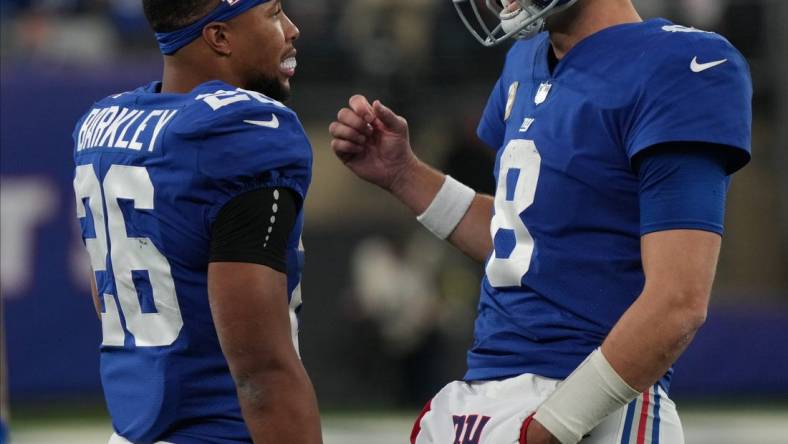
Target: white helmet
x=520, y=19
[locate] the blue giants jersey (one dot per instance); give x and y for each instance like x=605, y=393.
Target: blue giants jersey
x=152, y=173
x=566, y=227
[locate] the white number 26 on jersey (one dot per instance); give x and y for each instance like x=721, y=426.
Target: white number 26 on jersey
x=127, y=254
x=517, y=179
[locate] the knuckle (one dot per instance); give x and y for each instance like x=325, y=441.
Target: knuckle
x=357, y=101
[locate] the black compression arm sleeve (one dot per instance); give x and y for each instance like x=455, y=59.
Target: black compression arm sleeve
x=254, y=227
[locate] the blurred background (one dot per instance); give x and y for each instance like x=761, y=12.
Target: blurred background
x=388, y=309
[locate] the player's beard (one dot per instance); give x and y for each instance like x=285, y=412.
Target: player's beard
x=270, y=86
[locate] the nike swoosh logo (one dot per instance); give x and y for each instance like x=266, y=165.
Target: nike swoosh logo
x=273, y=123
x=700, y=67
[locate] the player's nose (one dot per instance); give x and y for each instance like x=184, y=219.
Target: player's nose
x=292, y=30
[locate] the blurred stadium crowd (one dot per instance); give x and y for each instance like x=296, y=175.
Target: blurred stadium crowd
x=363, y=327
x=378, y=36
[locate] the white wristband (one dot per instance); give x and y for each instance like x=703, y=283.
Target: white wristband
x=591, y=393
x=447, y=208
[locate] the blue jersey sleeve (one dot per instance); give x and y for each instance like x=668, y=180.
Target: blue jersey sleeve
x=492, y=127
x=698, y=90
x=682, y=188
x=251, y=145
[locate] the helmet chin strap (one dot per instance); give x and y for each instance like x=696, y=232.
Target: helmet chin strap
x=513, y=19
x=516, y=18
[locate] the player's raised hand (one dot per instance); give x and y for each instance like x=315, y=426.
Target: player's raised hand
x=372, y=141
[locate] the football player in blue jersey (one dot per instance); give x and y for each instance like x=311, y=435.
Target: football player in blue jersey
x=615, y=140
x=190, y=194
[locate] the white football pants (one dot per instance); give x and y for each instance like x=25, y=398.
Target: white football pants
x=117, y=439
x=493, y=412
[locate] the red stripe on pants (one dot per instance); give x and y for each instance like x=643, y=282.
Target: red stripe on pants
x=417, y=425
x=643, y=419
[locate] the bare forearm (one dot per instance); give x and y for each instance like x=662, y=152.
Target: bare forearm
x=417, y=187
x=472, y=235
x=656, y=329
x=280, y=406
x=648, y=339
x=249, y=307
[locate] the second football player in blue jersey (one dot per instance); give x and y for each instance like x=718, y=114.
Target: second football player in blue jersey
x=190, y=194
x=615, y=140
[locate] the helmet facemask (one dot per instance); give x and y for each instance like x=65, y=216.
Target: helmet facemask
x=519, y=19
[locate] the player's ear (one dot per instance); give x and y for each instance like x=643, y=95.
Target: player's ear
x=215, y=36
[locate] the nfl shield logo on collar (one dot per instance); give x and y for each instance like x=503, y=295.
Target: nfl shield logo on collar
x=541, y=95
x=231, y=2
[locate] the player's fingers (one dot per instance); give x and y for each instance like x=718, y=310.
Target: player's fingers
x=361, y=106
x=390, y=119
x=341, y=131
x=345, y=148
x=353, y=120
x=346, y=157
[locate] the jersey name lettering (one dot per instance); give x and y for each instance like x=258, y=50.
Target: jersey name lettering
x=125, y=128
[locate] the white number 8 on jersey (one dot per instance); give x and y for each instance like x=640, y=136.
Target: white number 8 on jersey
x=517, y=179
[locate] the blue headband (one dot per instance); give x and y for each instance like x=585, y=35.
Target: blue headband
x=170, y=42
